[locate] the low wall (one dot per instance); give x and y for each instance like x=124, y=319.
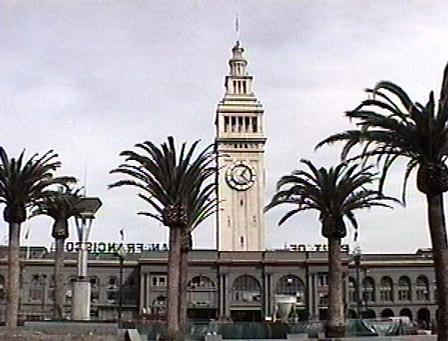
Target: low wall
x=391, y=338
x=361, y=338
x=64, y=331
x=36, y=336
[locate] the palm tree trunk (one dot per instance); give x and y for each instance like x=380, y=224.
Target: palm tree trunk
x=336, y=322
x=174, y=255
x=59, y=293
x=13, y=275
x=439, y=241
x=183, y=300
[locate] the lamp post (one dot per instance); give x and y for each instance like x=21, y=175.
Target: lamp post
x=357, y=258
x=121, y=253
x=81, y=287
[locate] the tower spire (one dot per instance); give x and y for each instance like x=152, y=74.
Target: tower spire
x=237, y=27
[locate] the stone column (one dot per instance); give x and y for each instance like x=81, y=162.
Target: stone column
x=142, y=293
x=81, y=299
x=267, y=295
x=395, y=291
x=223, y=296
x=314, y=297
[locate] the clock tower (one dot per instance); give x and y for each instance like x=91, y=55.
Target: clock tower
x=240, y=144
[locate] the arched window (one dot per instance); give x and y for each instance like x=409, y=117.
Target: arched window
x=52, y=288
x=130, y=290
x=424, y=316
x=404, y=289
x=69, y=288
x=201, y=292
x=406, y=312
x=95, y=289
x=2, y=288
x=37, y=287
x=368, y=289
x=386, y=289
x=112, y=290
x=387, y=313
x=246, y=289
x=158, y=305
x=422, y=288
x=293, y=286
x=200, y=281
x=351, y=289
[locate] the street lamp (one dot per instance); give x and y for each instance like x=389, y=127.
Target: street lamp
x=357, y=257
x=121, y=253
x=87, y=208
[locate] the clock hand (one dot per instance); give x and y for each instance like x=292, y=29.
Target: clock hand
x=243, y=175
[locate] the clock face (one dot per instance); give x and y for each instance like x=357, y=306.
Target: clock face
x=240, y=176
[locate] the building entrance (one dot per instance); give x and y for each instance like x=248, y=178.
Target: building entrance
x=201, y=314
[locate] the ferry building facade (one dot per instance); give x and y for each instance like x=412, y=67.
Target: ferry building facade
x=240, y=279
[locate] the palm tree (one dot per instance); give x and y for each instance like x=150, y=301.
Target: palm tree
x=335, y=193
x=59, y=205
x=178, y=189
x=392, y=126
x=205, y=206
x=22, y=184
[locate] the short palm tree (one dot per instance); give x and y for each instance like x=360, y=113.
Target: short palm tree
x=59, y=205
x=392, y=126
x=22, y=184
x=179, y=187
x=335, y=193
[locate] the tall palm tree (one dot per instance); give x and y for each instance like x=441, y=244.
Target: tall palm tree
x=59, y=205
x=204, y=208
x=22, y=184
x=335, y=193
x=392, y=126
x=179, y=189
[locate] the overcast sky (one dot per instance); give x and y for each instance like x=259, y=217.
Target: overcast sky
x=90, y=78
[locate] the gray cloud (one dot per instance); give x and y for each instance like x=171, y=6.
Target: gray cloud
x=92, y=78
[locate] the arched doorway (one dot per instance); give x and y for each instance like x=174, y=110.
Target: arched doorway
x=246, y=299
x=424, y=317
x=201, y=297
x=351, y=314
x=406, y=312
x=291, y=287
x=158, y=306
x=368, y=314
x=387, y=313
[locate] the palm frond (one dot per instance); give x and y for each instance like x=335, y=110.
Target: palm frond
x=167, y=177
